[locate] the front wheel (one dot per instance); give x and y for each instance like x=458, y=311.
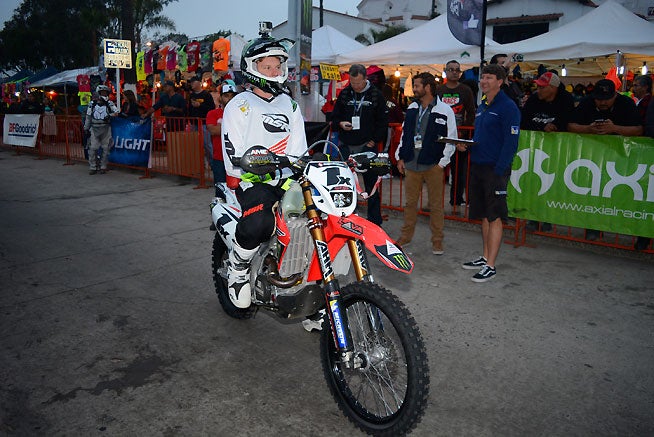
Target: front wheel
x=388, y=394
x=219, y=263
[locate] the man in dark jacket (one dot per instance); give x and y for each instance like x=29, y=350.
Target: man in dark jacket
x=550, y=108
x=422, y=158
x=361, y=118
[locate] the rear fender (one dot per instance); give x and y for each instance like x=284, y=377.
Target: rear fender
x=339, y=230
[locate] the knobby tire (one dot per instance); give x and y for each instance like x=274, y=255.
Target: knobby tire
x=389, y=395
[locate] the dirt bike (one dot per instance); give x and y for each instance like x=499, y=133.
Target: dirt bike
x=372, y=352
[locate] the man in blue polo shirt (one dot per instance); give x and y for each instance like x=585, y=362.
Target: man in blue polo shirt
x=497, y=126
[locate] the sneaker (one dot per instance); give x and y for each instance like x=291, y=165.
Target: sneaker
x=212, y=227
x=314, y=323
x=103, y=171
x=437, y=249
x=476, y=264
x=92, y=172
x=486, y=273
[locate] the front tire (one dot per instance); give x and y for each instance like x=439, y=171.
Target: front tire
x=388, y=394
x=219, y=263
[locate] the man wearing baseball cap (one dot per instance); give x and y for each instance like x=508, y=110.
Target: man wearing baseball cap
x=549, y=109
x=171, y=105
x=606, y=112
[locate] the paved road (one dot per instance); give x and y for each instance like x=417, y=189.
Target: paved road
x=109, y=325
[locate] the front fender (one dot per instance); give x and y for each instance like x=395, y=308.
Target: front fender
x=339, y=230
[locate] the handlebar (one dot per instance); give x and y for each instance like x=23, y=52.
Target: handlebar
x=260, y=161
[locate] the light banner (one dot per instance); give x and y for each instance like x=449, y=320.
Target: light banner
x=132, y=140
x=603, y=182
x=21, y=129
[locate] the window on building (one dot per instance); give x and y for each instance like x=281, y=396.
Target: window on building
x=504, y=34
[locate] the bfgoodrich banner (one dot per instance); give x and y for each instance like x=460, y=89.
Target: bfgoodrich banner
x=603, y=182
x=21, y=129
x=132, y=140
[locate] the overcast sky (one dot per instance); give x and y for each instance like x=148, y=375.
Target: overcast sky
x=202, y=17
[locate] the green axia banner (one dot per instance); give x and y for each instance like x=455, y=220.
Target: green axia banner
x=603, y=182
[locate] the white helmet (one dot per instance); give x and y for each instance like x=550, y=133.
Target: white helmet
x=260, y=48
x=102, y=88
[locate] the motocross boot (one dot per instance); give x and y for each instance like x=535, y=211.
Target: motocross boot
x=238, y=275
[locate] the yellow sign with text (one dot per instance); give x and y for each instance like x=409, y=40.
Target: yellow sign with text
x=330, y=72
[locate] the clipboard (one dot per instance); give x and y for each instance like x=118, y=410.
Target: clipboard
x=442, y=139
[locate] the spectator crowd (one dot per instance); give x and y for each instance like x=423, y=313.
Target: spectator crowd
x=365, y=106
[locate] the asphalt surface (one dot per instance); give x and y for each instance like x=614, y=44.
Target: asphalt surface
x=109, y=325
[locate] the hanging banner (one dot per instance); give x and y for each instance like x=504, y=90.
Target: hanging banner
x=603, y=182
x=464, y=20
x=132, y=140
x=220, y=51
x=21, y=129
x=140, y=66
x=306, y=11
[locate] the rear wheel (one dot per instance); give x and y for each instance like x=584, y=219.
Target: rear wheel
x=219, y=263
x=388, y=394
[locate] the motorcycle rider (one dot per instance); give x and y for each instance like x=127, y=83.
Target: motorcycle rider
x=97, y=122
x=265, y=115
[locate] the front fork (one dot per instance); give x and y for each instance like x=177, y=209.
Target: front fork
x=337, y=317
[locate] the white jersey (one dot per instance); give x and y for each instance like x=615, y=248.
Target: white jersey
x=250, y=120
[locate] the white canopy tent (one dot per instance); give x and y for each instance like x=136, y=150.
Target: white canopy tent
x=427, y=44
x=68, y=77
x=589, y=44
x=327, y=43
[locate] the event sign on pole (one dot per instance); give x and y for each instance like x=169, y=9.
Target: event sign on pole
x=117, y=54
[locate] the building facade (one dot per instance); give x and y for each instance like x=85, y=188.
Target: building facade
x=506, y=20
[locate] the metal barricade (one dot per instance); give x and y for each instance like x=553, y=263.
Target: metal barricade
x=178, y=149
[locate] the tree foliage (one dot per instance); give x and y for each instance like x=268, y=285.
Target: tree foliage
x=67, y=33
x=377, y=36
x=40, y=34
x=387, y=33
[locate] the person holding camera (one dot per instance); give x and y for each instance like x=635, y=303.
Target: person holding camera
x=510, y=88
